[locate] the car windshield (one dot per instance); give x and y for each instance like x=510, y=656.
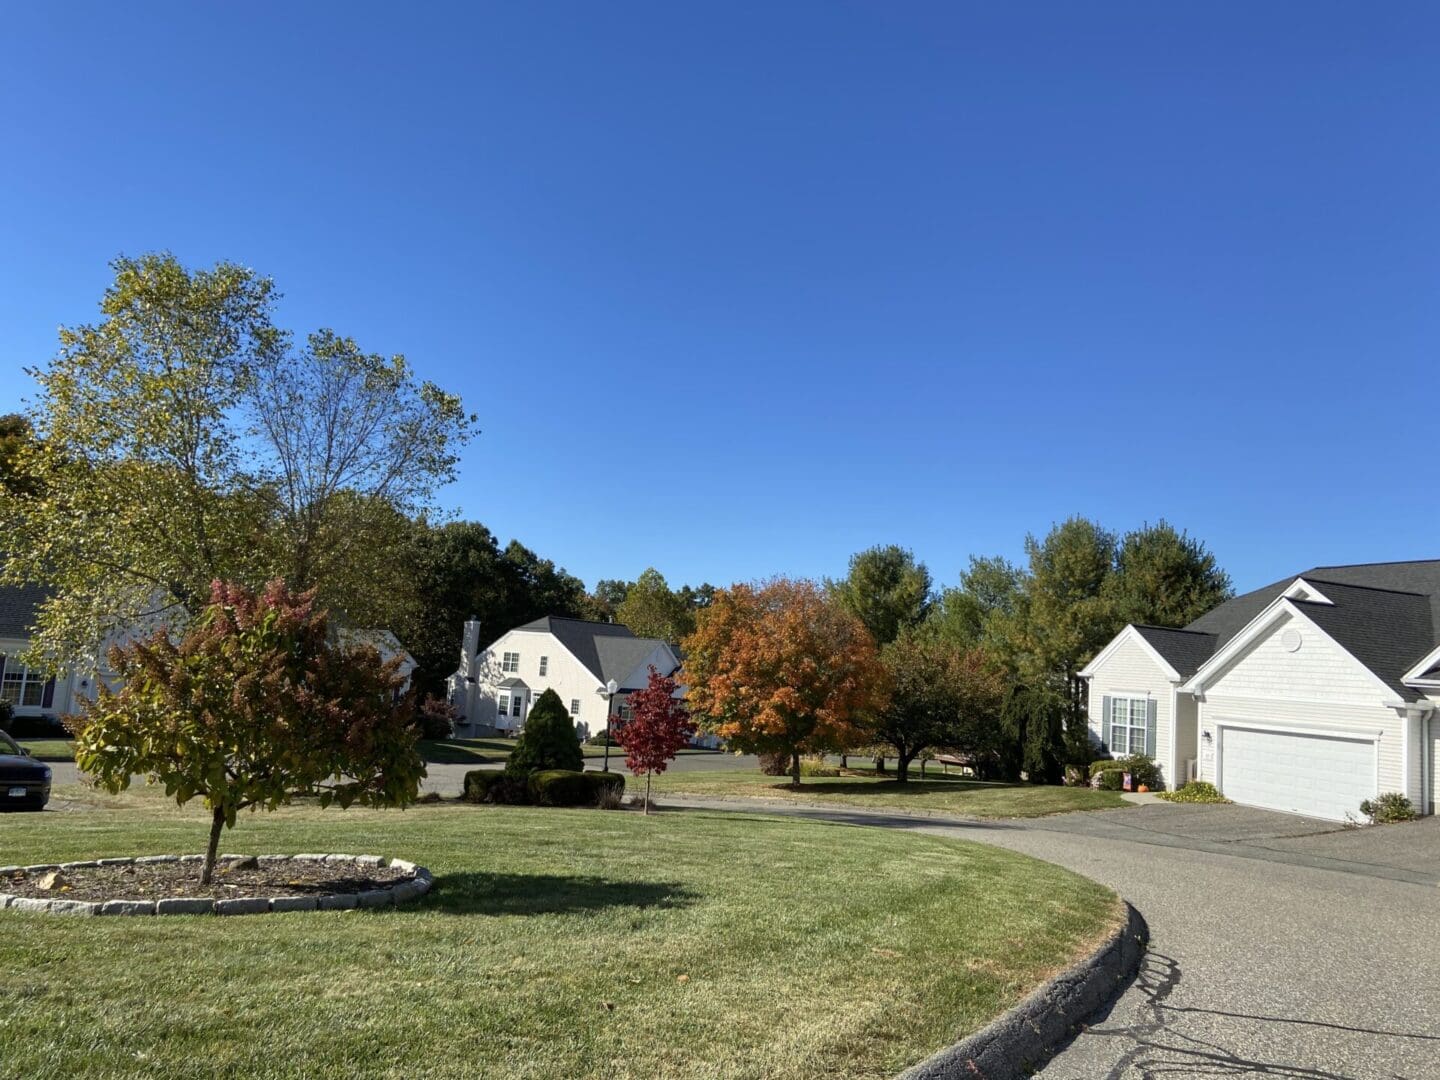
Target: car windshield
x=8, y=745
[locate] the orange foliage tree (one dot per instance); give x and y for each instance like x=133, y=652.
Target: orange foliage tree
x=780, y=668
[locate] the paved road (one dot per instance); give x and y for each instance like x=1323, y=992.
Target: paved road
x=1280, y=947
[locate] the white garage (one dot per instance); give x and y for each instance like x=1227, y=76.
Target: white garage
x=1312, y=773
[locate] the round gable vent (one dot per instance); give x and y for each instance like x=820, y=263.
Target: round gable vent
x=1291, y=640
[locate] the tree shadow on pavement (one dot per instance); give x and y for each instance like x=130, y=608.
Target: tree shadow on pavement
x=1159, y=1049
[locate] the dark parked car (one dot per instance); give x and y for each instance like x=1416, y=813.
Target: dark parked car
x=24, y=782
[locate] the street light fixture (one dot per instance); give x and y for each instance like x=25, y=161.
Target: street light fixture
x=609, y=690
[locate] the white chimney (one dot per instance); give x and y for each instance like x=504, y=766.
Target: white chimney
x=470, y=646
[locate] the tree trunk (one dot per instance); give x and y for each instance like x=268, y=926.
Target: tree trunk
x=647, y=793
x=879, y=764
x=795, y=769
x=844, y=761
x=217, y=823
x=902, y=768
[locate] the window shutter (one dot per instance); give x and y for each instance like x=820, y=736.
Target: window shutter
x=1150, y=711
x=1105, y=720
x=2, y=665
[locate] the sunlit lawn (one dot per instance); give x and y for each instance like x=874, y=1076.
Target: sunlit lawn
x=956, y=795
x=480, y=751
x=49, y=749
x=557, y=944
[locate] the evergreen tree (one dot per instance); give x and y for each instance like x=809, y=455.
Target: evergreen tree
x=548, y=740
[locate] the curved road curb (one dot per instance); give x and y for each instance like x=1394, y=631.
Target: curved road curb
x=1014, y=1045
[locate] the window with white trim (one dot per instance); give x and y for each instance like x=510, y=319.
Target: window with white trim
x=544, y=664
x=504, y=704
x=1126, y=725
x=574, y=706
x=510, y=662
x=515, y=703
x=23, y=687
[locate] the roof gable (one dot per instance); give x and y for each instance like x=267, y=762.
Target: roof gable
x=607, y=650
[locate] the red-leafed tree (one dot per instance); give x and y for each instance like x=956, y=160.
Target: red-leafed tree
x=659, y=729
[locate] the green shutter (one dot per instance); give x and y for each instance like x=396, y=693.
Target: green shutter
x=1151, y=707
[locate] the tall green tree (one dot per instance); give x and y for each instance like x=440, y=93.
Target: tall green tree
x=887, y=589
x=989, y=589
x=1164, y=577
x=182, y=439
x=652, y=609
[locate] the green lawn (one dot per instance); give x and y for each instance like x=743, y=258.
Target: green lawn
x=49, y=749
x=556, y=944
x=970, y=798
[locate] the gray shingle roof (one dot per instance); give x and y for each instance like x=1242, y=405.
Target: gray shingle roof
x=19, y=606
x=608, y=650
x=1184, y=650
x=1387, y=615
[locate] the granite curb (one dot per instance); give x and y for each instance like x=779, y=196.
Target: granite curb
x=408, y=889
x=1014, y=1045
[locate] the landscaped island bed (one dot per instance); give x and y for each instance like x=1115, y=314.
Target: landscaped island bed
x=866, y=790
x=569, y=943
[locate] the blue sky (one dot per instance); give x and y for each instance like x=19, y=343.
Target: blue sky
x=741, y=288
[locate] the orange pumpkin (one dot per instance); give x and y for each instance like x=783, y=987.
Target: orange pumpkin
x=1143, y=788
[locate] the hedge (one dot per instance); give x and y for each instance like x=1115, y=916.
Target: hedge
x=566, y=787
x=1142, y=770
x=493, y=786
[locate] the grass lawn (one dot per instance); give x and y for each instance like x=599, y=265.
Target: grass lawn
x=49, y=749
x=971, y=798
x=557, y=943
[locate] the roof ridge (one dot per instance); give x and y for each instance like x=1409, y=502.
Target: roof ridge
x=1355, y=565
x=1367, y=588
x=1171, y=629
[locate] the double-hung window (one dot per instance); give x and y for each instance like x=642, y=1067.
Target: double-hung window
x=504, y=708
x=515, y=705
x=544, y=665
x=22, y=687
x=510, y=662
x=574, y=706
x=1126, y=725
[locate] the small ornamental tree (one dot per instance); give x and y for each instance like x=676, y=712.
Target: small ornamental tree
x=548, y=740
x=782, y=668
x=658, y=729
x=255, y=705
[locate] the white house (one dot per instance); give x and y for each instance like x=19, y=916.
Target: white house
x=495, y=687
x=1308, y=696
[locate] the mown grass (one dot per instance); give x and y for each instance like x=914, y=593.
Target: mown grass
x=556, y=944
x=49, y=749
x=969, y=798
x=481, y=751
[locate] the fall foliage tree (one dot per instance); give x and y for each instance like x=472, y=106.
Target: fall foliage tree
x=255, y=705
x=659, y=728
x=782, y=668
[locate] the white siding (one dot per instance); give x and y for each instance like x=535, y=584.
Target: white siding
x=564, y=674
x=1318, y=687
x=1131, y=671
x=1187, y=734
x=64, y=700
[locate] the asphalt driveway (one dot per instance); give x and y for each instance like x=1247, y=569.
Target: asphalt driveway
x=1280, y=946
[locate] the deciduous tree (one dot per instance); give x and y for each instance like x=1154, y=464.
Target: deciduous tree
x=1164, y=577
x=887, y=589
x=652, y=609
x=255, y=705
x=659, y=728
x=782, y=668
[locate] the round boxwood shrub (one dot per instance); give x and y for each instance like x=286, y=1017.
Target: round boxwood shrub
x=1142, y=770
x=569, y=787
x=548, y=740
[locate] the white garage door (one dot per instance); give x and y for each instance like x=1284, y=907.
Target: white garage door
x=1317, y=775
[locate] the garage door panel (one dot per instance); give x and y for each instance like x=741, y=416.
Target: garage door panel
x=1301, y=773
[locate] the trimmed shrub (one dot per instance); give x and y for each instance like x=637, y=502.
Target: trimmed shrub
x=436, y=718
x=491, y=786
x=1388, y=808
x=30, y=727
x=775, y=764
x=601, y=739
x=1196, y=791
x=548, y=740
x=1111, y=780
x=569, y=787
x=1142, y=770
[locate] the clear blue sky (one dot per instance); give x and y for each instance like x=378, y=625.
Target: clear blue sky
x=741, y=288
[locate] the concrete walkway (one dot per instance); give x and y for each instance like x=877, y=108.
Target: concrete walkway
x=1280, y=946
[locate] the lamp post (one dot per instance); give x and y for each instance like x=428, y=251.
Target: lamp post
x=609, y=690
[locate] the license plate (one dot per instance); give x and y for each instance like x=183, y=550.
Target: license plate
x=18, y=792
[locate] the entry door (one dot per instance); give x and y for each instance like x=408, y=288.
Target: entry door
x=1320, y=776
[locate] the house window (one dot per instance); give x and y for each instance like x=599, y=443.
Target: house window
x=510, y=662
x=1127, y=721
x=504, y=704
x=544, y=664
x=22, y=687
x=574, y=706
x=515, y=705
x=626, y=713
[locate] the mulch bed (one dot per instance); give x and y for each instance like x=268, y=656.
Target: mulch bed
x=155, y=881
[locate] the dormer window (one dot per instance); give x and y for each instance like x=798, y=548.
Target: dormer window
x=510, y=662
